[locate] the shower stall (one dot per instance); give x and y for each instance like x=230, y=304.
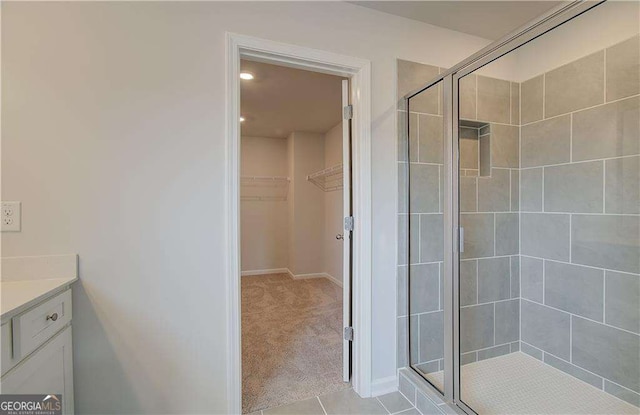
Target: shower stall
x=519, y=219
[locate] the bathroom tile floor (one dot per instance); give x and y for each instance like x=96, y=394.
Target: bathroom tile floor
x=346, y=402
x=517, y=383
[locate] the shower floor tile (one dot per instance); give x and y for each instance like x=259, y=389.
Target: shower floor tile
x=520, y=384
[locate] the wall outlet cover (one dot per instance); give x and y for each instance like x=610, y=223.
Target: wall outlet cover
x=11, y=216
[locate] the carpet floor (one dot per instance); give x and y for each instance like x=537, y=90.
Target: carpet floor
x=291, y=340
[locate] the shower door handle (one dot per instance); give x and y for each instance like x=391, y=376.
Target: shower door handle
x=461, y=239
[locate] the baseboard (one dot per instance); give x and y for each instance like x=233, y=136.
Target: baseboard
x=383, y=386
x=265, y=272
x=333, y=279
x=316, y=275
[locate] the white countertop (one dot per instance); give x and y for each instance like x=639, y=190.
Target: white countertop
x=17, y=296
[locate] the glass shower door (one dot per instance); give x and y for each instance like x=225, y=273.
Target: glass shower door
x=548, y=286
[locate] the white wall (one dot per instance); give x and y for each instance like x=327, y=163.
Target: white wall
x=333, y=208
x=264, y=224
x=306, y=254
x=113, y=139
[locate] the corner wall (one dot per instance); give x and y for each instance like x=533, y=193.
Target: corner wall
x=306, y=254
x=264, y=223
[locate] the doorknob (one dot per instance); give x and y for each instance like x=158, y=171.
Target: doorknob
x=339, y=236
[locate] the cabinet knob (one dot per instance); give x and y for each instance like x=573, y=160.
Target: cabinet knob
x=53, y=317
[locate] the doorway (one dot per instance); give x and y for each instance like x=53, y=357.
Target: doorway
x=358, y=73
x=295, y=191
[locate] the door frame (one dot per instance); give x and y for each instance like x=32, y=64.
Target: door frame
x=359, y=72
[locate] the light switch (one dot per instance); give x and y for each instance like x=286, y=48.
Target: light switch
x=11, y=216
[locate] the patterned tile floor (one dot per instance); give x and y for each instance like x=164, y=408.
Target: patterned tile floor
x=517, y=383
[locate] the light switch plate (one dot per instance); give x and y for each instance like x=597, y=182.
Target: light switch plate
x=11, y=216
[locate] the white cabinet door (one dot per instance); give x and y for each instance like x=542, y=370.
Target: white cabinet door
x=49, y=370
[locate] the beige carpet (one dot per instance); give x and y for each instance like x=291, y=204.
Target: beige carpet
x=291, y=340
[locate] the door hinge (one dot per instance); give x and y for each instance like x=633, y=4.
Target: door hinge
x=348, y=223
x=348, y=333
x=348, y=112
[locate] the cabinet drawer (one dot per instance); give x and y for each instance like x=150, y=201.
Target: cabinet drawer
x=35, y=326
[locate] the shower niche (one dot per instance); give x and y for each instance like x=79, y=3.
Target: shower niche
x=519, y=259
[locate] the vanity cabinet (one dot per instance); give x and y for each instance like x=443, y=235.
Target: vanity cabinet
x=37, y=350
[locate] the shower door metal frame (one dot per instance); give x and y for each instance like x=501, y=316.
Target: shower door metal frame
x=451, y=78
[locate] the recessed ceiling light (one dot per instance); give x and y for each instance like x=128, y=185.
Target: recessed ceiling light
x=241, y=119
x=246, y=76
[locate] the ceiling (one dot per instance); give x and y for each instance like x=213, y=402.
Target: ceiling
x=486, y=19
x=280, y=100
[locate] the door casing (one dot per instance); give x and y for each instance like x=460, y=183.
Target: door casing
x=359, y=73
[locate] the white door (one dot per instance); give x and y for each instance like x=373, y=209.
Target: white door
x=347, y=239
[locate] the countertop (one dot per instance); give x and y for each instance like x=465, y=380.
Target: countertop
x=17, y=296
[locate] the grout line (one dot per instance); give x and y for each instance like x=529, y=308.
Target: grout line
x=572, y=364
x=604, y=186
x=383, y=407
x=510, y=278
x=417, y=139
x=571, y=138
x=419, y=254
x=570, y=242
x=544, y=277
x=494, y=324
x=578, y=110
x=477, y=283
x=495, y=225
x=534, y=212
x=570, y=339
x=542, y=185
x=576, y=162
x=481, y=304
x=577, y=265
x=582, y=317
x=321, y=405
x=604, y=297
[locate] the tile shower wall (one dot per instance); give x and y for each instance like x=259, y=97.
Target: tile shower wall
x=489, y=191
x=580, y=222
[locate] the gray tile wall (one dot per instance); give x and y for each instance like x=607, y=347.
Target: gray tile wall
x=489, y=204
x=580, y=222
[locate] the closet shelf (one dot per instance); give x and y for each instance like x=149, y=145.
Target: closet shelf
x=329, y=179
x=264, y=188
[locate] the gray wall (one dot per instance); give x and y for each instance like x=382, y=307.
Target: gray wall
x=489, y=266
x=580, y=225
